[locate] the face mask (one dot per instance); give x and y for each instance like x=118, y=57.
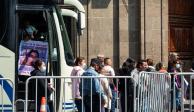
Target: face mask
x=178, y=65
x=29, y=30
x=43, y=69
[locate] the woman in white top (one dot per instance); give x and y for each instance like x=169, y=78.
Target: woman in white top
x=110, y=72
x=106, y=90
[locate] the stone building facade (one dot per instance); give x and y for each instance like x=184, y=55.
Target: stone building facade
x=126, y=28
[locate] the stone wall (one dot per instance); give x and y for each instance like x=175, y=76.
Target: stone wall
x=125, y=28
x=101, y=35
x=154, y=30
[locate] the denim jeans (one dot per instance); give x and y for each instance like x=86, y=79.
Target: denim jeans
x=113, y=101
x=178, y=99
x=47, y=108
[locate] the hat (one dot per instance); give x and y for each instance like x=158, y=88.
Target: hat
x=100, y=56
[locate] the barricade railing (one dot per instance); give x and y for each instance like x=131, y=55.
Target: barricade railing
x=153, y=92
x=182, y=91
x=19, y=101
x=7, y=91
x=88, y=95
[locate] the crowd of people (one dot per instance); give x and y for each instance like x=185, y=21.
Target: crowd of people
x=107, y=89
x=103, y=90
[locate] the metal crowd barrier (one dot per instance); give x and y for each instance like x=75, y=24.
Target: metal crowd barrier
x=62, y=82
x=182, y=91
x=153, y=92
x=7, y=91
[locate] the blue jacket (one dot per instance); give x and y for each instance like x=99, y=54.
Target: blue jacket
x=86, y=87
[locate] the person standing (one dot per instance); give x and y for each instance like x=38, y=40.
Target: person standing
x=151, y=67
x=178, y=87
x=29, y=31
x=90, y=89
x=161, y=68
x=141, y=82
x=78, y=70
x=173, y=57
x=141, y=66
x=106, y=90
x=175, y=69
x=110, y=72
x=40, y=70
x=126, y=86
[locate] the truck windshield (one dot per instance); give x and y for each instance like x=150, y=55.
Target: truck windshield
x=67, y=46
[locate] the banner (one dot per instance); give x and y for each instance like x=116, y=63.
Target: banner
x=29, y=52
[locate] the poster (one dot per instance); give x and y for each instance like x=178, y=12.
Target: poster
x=29, y=52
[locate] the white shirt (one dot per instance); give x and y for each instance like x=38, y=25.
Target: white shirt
x=107, y=91
x=135, y=75
x=109, y=70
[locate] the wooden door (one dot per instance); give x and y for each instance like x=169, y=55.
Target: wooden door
x=181, y=29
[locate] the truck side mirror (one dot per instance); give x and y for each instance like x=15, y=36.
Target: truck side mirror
x=81, y=22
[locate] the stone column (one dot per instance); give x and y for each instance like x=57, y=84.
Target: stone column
x=99, y=28
x=134, y=29
x=154, y=30
x=123, y=31
x=98, y=35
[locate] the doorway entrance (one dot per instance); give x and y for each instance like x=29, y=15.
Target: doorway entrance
x=181, y=30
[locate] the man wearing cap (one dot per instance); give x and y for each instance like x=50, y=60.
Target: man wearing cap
x=90, y=89
x=101, y=58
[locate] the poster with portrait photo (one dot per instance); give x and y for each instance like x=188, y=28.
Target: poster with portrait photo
x=29, y=52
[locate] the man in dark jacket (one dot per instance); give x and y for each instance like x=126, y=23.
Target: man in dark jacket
x=126, y=86
x=43, y=90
